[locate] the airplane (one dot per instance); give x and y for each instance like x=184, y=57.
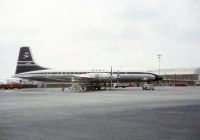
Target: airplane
x=93, y=79
x=13, y=81
x=10, y=81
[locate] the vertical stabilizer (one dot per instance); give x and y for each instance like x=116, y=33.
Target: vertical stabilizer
x=26, y=62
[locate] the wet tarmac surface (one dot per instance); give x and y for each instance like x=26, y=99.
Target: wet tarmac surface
x=168, y=113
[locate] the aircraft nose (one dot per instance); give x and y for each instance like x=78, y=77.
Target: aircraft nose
x=157, y=78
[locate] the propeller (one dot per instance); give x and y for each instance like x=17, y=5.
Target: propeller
x=118, y=77
x=111, y=74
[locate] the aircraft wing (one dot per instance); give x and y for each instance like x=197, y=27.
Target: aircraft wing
x=92, y=77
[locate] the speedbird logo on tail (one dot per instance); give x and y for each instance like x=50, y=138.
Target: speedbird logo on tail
x=26, y=55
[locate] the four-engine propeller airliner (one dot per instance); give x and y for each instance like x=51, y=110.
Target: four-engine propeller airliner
x=27, y=68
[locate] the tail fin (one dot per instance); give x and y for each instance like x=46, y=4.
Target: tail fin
x=26, y=62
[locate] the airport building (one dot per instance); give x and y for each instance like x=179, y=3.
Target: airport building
x=180, y=77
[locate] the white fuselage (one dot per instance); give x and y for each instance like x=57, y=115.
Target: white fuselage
x=87, y=76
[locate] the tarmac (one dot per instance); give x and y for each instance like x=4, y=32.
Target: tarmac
x=168, y=113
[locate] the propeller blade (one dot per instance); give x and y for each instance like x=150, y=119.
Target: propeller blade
x=111, y=73
x=118, y=74
x=118, y=77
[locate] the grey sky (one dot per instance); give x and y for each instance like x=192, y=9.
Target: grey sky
x=100, y=33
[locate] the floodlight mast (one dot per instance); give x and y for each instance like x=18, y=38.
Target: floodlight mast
x=159, y=57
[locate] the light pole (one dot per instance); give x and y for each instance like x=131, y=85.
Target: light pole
x=159, y=57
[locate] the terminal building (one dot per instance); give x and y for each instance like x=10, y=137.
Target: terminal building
x=179, y=77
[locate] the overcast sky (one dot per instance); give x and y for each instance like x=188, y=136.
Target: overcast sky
x=99, y=33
